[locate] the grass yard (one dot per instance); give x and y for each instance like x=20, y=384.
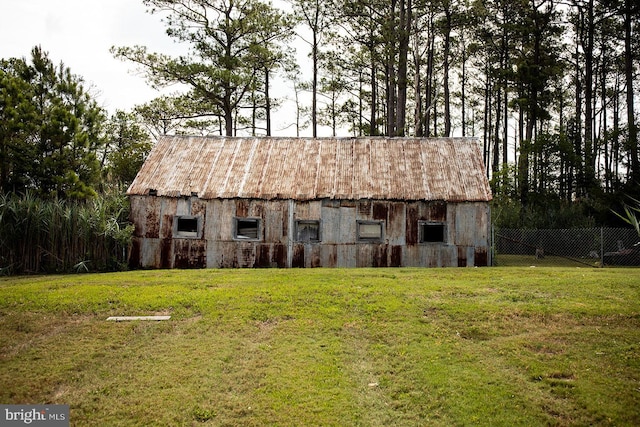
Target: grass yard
x=548, y=261
x=328, y=347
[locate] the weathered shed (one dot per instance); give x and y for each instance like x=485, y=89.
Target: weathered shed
x=310, y=202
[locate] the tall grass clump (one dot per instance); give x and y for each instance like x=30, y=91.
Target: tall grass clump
x=50, y=236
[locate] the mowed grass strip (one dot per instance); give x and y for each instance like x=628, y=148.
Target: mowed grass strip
x=330, y=347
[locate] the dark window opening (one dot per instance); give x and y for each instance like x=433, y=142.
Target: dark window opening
x=187, y=226
x=369, y=231
x=247, y=229
x=431, y=232
x=308, y=231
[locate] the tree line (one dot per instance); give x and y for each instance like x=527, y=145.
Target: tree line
x=547, y=86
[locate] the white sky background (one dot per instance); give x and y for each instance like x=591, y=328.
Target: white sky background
x=80, y=33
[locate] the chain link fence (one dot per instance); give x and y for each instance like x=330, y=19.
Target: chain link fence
x=595, y=247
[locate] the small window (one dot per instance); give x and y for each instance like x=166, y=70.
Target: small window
x=307, y=231
x=431, y=232
x=187, y=226
x=369, y=231
x=247, y=229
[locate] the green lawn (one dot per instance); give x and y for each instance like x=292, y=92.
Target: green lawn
x=547, y=261
x=328, y=347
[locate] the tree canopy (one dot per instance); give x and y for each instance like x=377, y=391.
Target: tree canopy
x=228, y=44
x=54, y=137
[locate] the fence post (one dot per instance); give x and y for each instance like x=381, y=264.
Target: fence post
x=493, y=245
x=601, y=247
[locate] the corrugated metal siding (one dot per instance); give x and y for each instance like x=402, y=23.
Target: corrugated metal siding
x=154, y=245
x=448, y=169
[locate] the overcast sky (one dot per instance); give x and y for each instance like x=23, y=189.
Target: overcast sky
x=80, y=33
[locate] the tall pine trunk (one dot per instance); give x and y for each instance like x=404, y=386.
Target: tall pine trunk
x=628, y=72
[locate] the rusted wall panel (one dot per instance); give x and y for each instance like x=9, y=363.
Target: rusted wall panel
x=276, y=221
x=150, y=253
x=168, y=209
x=330, y=224
x=263, y=256
x=364, y=255
x=279, y=255
x=298, y=257
x=189, y=253
x=245, y=254
x=307, y=255
x=471, y=224
x=329, y=255
x=396, y=224
x=223, y=254
x=347, y=225
x=396, y=256
x=462, y=256
x=314, y=256
x=411, y=223
x=152, y=218
x=308, y=210
x=436, y=211
x=380, y=210
x=466, y=243
x=137, y=214
x=242, y=207
x=481, y=257
x=198, y=207
x=380, y=255
x=166, y=253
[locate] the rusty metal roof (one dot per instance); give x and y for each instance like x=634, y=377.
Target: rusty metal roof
x=449, y=169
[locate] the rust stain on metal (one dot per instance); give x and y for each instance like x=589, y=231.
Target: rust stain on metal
x=247, y=256
x=316, y=260
x=411, y=236
x=298, y=256
x=242, y=207
x=279, y=255
x=462, y=256
x=167, y=226
x=437, y=211
x=165, y=253
x=190, y=253
x=364, y=208
x=333, y=256
x=263, y=258
x=446, y=169
x=380, y=211
x=481, y=257
x=152, y=225
x=380, y=256
x=198, y=207
x=396, y=256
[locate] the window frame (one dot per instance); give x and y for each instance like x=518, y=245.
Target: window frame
x=316, y=222
x=236, y=222
x=182, y=234
x=361, y=239
x=421, y=234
